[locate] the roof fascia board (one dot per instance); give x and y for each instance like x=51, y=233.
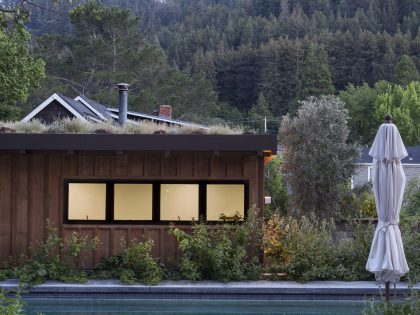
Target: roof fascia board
x=48, y=101
x=133, y=142
x=86, y=103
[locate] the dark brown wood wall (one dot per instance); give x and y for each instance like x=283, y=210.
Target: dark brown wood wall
x=32, y=188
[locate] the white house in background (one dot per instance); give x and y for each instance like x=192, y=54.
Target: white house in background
x=363, y=174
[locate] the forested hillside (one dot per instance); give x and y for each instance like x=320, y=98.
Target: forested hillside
x=240, y=60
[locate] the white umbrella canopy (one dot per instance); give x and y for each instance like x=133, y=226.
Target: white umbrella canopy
x=387, y=258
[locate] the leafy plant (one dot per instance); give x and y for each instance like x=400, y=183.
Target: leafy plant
x=222, y=251
x=10, y=305
x=410, y=227
x=275, y=186
x=410, y=306
x=411, y=201
x=134, y=264
x=307, y=249
x=54, y=259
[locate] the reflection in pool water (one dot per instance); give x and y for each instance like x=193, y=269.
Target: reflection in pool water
x=49, y=306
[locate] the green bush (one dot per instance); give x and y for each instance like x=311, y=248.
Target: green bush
x=306, y=249
x=134, y=264
x=53, y=259
x=224, y=251
x=358, y=203
x=10, y=305
x=275, y=186
x=410, y=228
x=411, y=201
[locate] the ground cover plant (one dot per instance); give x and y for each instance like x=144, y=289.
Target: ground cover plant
x=224, y=251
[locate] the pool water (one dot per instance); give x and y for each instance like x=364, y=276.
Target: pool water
x=50, y=306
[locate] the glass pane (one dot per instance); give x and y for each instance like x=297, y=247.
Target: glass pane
x=178, y=202
x=87, y=201
x=133, y=201
x=226, y=200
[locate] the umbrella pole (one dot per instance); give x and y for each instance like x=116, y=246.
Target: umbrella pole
x=387, y=291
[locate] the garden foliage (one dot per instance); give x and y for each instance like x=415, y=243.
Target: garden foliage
x=307, y=249
x=134, y=264
x=10, y=305
x=54, y=259
x=225, y=251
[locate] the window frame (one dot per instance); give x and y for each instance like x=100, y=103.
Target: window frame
x=109, y=201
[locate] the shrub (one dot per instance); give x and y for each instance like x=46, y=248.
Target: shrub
x=305, y=249
x=53, y=259
x=411, y=202
x=410, y=227
x=10, y=305
x=275, y=186
x=358, y=203
x=224, y=251
x=134, y=264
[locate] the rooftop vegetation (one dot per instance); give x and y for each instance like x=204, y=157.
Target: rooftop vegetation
x=76, y=126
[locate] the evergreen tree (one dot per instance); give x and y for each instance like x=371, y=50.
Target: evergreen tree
x=316, y=76
x=405, y=71
x=257, y=115
x=108, y=48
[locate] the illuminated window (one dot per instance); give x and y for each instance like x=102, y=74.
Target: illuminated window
x=179, y=202
x=225, y=201
x=114, y=201
x=87, y=201
x=133, y=201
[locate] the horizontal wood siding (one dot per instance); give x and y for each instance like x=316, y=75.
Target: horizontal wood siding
x=32, y=191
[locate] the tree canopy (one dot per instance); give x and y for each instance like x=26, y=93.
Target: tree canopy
x=318, y=162
x=20, y=72
x=106, y=48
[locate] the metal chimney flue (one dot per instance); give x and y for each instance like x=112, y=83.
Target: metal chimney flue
x=123, y=103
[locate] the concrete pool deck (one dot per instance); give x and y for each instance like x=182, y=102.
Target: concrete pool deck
x=276, y=290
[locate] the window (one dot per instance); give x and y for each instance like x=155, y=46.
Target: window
x=179, y=202
x=87, y=201
x=133, y=201
x=225, y=201
x=128, y=201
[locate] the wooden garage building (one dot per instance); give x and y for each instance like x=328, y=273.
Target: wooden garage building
x=117, y=186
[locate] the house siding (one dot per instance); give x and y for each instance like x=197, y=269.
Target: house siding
x=361, y=176
x=33, y=191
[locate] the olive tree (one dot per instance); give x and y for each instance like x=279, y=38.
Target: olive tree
x=317, y=160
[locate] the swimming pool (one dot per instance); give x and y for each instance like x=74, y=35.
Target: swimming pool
x=79, y=306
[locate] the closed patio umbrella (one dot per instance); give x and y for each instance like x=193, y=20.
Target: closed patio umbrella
x=387, y=258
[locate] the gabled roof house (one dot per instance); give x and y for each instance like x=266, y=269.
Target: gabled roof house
x=363, y=173
x=59, y=106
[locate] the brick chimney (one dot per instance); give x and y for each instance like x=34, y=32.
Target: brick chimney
x=165, y=111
